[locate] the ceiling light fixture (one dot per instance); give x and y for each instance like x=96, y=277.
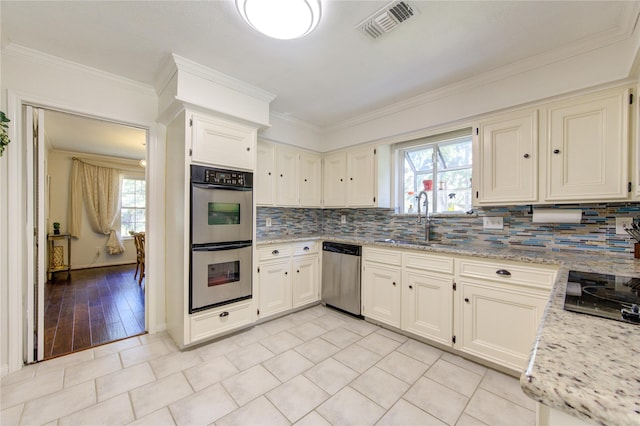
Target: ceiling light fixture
x=281, y=19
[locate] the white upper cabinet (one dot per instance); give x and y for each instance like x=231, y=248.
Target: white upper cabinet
x=335, y=185
x=219, y=142
x=310, y=179
x=287, y=184
x=506, y=161
x=361, y=181
x=264, y=177
x=587, y=147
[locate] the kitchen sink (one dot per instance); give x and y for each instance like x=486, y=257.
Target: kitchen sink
x=414, y=243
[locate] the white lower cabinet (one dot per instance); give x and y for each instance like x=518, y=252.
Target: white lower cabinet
x=288, y=277
x=381, y=295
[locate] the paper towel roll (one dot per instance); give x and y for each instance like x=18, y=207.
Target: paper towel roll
x=556, y=216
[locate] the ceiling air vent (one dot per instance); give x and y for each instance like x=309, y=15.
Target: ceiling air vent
x=387, y=18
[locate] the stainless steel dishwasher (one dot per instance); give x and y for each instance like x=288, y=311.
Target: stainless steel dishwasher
x=341, y=276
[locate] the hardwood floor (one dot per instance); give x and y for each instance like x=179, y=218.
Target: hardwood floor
x=95, y=306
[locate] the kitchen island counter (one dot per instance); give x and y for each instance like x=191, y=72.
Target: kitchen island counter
x=582, y=365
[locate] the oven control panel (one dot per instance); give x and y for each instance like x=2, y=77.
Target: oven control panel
x=221, y=177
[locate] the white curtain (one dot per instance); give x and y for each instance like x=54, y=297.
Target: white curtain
x=99, y=187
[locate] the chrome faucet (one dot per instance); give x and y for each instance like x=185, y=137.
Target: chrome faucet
x=427, y=220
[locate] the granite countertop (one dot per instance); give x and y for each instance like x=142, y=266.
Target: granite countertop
x=585, y=366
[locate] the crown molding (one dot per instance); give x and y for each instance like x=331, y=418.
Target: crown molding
x=615, y=35
x=295, y=121
x=46, y=59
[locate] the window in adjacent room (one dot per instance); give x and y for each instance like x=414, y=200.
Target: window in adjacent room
x=132, y=205
x=441, y=166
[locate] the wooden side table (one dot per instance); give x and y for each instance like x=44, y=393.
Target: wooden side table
x=62, y=266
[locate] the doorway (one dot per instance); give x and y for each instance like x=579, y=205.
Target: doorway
x=100, y=297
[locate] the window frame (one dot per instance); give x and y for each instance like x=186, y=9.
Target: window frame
x=124, y=176
x=437, y=140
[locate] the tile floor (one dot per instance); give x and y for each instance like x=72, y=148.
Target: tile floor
x=313, y=367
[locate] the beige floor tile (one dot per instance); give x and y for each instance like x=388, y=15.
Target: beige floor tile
x=59, y=404
x=341, y=337
x=307, y=331
x=124, y=380
x=349, y=407
x=496, y=411
x=507, y=387
x=25, y=390
x=464, y=363
x=60, y=363
x=302, y=317
x=437, y=400
x=278, y=325
x=27, y=372
x=317, y=349
x=406, y=414
x=359, y=326
x=153, y=396
x=11, y=416
x=313, y=419
x=467, y=420
x=259, y=412
x=331, y=375
x=203, y=407
x=250, y=384
x=142, y=353
x=457, y=378
x=89, y=370
x=357, y=358
x=392, y=335
x=287, y=365
x=328, y=321
x=249, y=336
x=208, y=373
x=320, y=310
x=114, y=411
x=115, y=347
x=379, y=344
x=278, y=343
x=418, y=350
x=380, y=387
x=216, y=349
x=402, y=366
x=174, y=362
x=162, y=417
x=248, y=356
x=297, y=397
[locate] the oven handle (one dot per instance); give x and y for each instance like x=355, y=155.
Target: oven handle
x=220, y=247
x=223, y=187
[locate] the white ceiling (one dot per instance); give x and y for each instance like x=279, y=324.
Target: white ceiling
x=336, y=73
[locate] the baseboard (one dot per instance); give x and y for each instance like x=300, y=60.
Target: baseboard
x=100, y=265
x=4, y=370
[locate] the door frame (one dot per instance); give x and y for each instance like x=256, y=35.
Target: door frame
x=17, y=261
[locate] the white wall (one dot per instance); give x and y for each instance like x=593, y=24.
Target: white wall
x=83, y=249
x=47, y=81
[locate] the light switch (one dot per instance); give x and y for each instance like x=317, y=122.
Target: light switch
x=492, y=222
x=621, y=223
x=343, y=218
x=268, y=222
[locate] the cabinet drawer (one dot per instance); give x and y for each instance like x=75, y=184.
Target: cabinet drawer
x=305, y=247
x=428, y=262
x=216, y=321
x=275, y=251
x=509, y=272
x=390, y=257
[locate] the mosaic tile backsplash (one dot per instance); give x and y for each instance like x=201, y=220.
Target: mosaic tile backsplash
x=596, y=232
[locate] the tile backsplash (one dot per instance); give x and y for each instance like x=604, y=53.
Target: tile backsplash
x=596, y=232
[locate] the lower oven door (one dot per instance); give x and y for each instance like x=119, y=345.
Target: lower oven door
x=220, y=274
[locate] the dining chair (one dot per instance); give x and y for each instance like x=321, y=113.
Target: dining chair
x=138, y=238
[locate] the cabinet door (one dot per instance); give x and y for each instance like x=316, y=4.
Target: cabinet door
x=499, y=323
x=506, y=159
x=335, y=170
x=287, y=176
x=264, y=177
x=381, y=293
x=587, y=153
x=305, y=280
x=222, y=143
x=361, y=178
x=274, y=287
x=427, y=305
x=310, y=180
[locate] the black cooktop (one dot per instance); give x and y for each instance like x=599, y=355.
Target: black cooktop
x=615, y=297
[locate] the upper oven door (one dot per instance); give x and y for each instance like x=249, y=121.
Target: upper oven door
x=220, y=214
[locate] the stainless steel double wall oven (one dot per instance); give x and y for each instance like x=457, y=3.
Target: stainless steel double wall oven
x=221, y=237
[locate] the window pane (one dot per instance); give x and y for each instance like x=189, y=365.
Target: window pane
x=456, y=154
x=422, y=159
x=454, y=191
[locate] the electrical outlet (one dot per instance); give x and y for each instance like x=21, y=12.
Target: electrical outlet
x=621, y=223
x=268, y=222
x=493, y=222
x=343, y=218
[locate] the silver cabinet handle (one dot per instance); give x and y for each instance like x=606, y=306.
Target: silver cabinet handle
x=503, y=272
